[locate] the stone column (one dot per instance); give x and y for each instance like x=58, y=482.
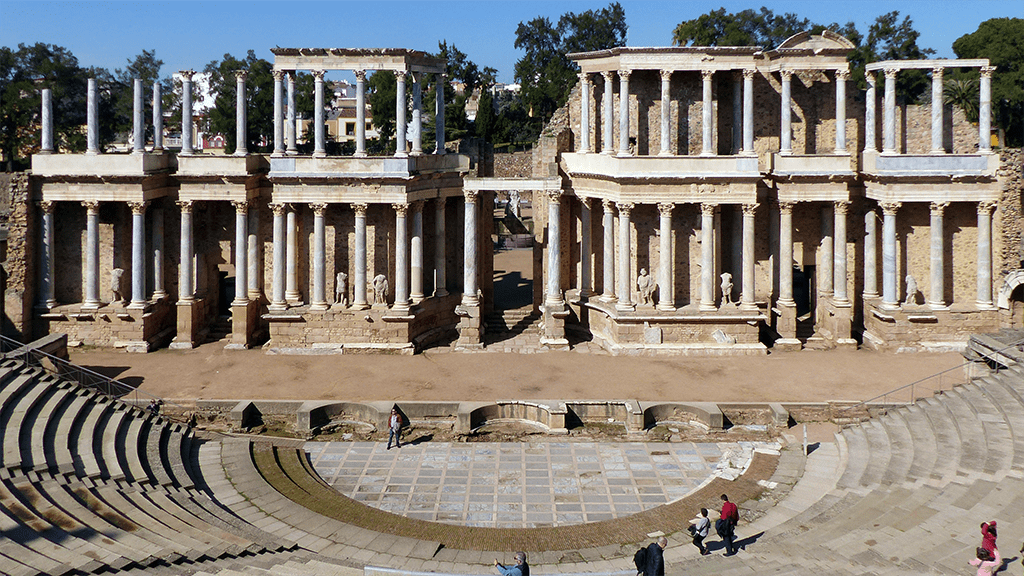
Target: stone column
x=586, y=248
x=890, y=296
x=825, y=270
x=936, y=298
x=359, y=283
x=870, y=254
x=92, y=129
x=708, y=118
x=737, y=112
x=291, y=127
x=253, y=248
x=46, y=257
x=937, y=105
x=985, y=110
x=870, y=102
x=786, y=146
x=319, y=300
x=624, y=112
x=747, y=288
x=985, y=254
x=278, y=113
x=748, y=111
x=278, y=301
x=786, y=254
x=608, y=101
x=417, y=115
x=46, y=138
x=666, y=293
x=401, y=256
x=138, y=254
x=186, y=290
x=707, y=257
x=241, y=252
x=440, y=250
x=841, y=77
x=159, y=292
x=584, y=113
x=138, y=119
x=442, y=81
x=889, y=113
x=360, y=113
x=554, y=286
x=241, y=128
x=469, y=297
x=416, y=254
x=319, y=140
x=92, y=255
x=158, y=118
x=839, y=291
x=666, y=113
x=608, y=292
x=625, y=295
x=186, y=112
x=400, y=139
x=291, y=291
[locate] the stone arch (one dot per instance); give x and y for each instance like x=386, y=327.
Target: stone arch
x=1013, y=279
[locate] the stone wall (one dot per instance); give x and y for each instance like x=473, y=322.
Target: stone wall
x=18, y=269
x=514, y=165
x=1008, y=229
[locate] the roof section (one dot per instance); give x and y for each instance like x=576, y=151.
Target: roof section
x=398, y=59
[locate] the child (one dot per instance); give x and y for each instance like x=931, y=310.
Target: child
x=986, y=562
x=988, y=535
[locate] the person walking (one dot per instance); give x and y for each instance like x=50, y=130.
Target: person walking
x=655, y=564
x=395, y=428
x=987, y=562
x=521, y=568
x=988, y=535
x=730, y=517
x=700, y=531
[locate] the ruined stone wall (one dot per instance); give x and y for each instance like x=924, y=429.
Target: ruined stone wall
x=914, y=130
x=19, y=271
x=1008, y=225
x=514, y=165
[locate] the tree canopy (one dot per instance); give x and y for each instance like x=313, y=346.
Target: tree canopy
x=259, y=101
x=1001, y=40
x=745, y=28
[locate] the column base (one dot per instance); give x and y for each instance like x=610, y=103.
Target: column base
x=319, y=154
x=291, y=153
x=244, y=322
x=979, y=304
x=92, y=306
x=666, y=307
x=607, y=298
x=748, y=306
x=277, y=154
x=401, y=154
x=938, y=306
x=624, y=306
x=440, y=293
x=707, y=307
x=138, y=305
x=359, y=155
x=470, y=327
x=623, y=154
x=188, y=328
x=319, y=307
x=277, y=306
x=787, y=345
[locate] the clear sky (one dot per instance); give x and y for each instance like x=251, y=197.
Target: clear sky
x=191, y=34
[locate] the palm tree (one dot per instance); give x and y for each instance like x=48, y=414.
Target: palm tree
x=962, y=93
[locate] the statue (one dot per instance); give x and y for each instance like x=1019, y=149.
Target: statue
x=911, y=291
x=380, y=289
x=513, y=203
x=116, y=280
x=341, y=289
x=646, y=285
x=726, y=288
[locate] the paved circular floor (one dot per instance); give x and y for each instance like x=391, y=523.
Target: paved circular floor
x=520, y=485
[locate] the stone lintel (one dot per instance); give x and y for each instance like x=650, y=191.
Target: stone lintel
x=927, y=64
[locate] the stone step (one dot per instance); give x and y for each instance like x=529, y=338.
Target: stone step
x=901, y=446
x=18, y=437
x=41, y=452
x=58, y=434
x=133, y=450
x=156, y=463
x=972, y=435
x=10, y=395
x=947, y=440
x=85, y=444
x=1012, y=410
x=879, y=446
x=997, y=438
x=858, y=456
x=111, y=455
x=925, y=445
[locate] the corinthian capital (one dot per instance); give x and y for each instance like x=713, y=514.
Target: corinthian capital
x=890, y=208
x=186, y=75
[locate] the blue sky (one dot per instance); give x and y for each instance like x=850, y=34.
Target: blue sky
x=191, y=34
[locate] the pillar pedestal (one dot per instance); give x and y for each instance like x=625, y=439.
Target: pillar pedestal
x=244, y=323
x=189, y=324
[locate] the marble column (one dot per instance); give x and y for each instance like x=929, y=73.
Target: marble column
x=985, y=110
x=936, y=297
x=319, y=300
x=553, y=294
x=400, y=139
x=839, y=288
x=241, y=252
x=624, y=112
x=469, y=285
x=748, y=111
x=707, y=257
x=608, y=291
x=666, y=113
x=401, y=256
x=278, y=113
x=825, y=269
x=737, y=112
x=440, y=249
x=241, y=119
x=442, y=81
x=937, y=108
x=291, y=126
x=253, y=249
x=159, y=292
x=46, y=257
x=786, y=253
x=291, y=290
x=786, y=145
x=584, y=113
x=870, y=254
x=359, y=283
x=586, y=248
x=360, y=113
x=186, y=112
x=416, y=254
x=890, y=296
x=985, y=254
x=186, y=289
x=158, y=118
x=92, y=255
x=666, y=294
x=841, y=77
x=708, y=117
x=889, y=112
x=625, y=296
x=747, y=288
x=870, y=103
x=138, y=254
x=417, y=114
x=319, y=139
x=46, y=138
x=92, y=128
x=138, y=119
x=278, y=301
x=608, y=115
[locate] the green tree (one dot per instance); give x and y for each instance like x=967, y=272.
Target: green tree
x=382, y=91
x=745, y=28
x=1001, y=40
x=889, y=38
x=259, y=101
x=484, y=123
x=145, y=66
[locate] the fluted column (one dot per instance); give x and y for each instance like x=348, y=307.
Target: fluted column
x=417, y=115
x=707, y=256
x=278, y=113
x=736, y=146
x=889, y=112
x=291, y=128
x=241, y=252
x=186, y=112
x=825, y=269
x=400, y=138
x=253, y=249
x=138, y=119
x=401, y=256
x=937, y=299
x=870, y=254
x=553, y=294
x=666, y=113
x=291, y=291
x=92, y=254
x=624, y=112
x=870, y=103
x=584, y=113
x=586, y=248
x=666, y=295
x=747, y=288
x=158, y=254
x=186, y=289
x=608, y=292
x=608, y=100
x=748, y=111
x=241, y=128
x=890, y=296
x=839, y=291
x=786, y=146
x=985, y=109
x=158, y=118
x=46, y=137
x=439, y=136
x=786, y=253
x=440, y=249
x=708, y=147
x=985, y=254
x=138, y=254
x=416, y=254
x=937, y=106
x=841, y=77
x=46, y=257
x=360, y=113
x=278, y=301
x=625, y=296
x=92, y=120
x=469, y=284
x=359, y=284
x=319, y=140
x=319, y=299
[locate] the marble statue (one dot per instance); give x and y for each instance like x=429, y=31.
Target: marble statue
x=726, y=288
x=380, y=289
x=341, y=289
x=117, y=285
x=911, y=291
x=646, y=285
x=513, y=203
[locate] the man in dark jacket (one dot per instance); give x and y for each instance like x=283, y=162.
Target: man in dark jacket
x=656, y=558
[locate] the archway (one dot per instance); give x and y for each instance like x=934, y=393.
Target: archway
x=1011, y=300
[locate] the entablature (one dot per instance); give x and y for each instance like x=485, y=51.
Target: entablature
x=395, y=59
